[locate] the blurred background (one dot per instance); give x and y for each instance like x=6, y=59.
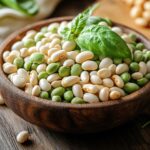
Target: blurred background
x=17, y=14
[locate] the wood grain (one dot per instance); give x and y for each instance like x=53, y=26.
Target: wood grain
x=127, y=137
x=118, y=11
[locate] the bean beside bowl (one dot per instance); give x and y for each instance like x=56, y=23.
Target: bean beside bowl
x=43, y=64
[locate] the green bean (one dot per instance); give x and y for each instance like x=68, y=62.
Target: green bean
x=29, y=43
x=133, y=37
x=38, y=37
x=44, y=95
x=68, y=96
x=34, y=66
x=52, y=68
x=56, y=98
x=76, y=70
x=127, y=60
x=59, y=91
x=142, y=81
x=138, y=57
x=117, y=61
x=147, y=76
x=131, y=87
x=64, y=71
x=37, y=58
x=140, y=46
x=43, y=75
x=19, y=62
x=27, y=66
x=77, y=100
x=134, y=67
x=126, y=77
x=44, y=29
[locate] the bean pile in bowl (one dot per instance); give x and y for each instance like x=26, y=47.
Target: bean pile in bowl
x=86, y=60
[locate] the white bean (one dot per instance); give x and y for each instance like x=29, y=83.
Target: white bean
x=9, y=68
x=90, y=98
x=33, y=77
x=89, y=65
x=84, y=56
x=90, y=88
x=56, y=84
x=143, y=68
x=117, y=30
x=121, y=68
x=118, y=89
x=44, y=85
x=84, y=76
x=77, y=90
x=104, y=73
x=23, y=73
x=68, y=46
x=141, y=22
x=22, y=136
x=105, y=63
x=93, y=73
x=69, y=81
x=112, y=68
x=51, y=51
x=53, y=77
x=28, y=88
x=147, y=5
x=148, y=66
x=108, y=82
x=118, y=81
x=104, y=94
x=68, y=62
x=59, y=55
x=44, y=49
x=5, y=55
x=72, y=54
x=54, y=42
x=126, y=38
x=19, y=81
x=24, y=52
x=137, y=75
x=115, y=95
x=41, y=67
x=17, y=46
x=36, y=90
x=95, y=79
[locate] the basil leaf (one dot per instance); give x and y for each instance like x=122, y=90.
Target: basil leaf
x=77, y=24
x=103, y=42
x=96, y=19
x=28, y=7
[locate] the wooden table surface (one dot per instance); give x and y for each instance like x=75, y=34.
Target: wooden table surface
x=130, y=136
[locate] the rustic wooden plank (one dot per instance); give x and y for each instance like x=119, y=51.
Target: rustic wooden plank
x=127, y=137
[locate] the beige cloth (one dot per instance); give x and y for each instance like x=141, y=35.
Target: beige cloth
x=11, y=20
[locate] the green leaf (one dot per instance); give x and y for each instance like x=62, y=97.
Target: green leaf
x=28, y=7
x=78, y=24
x=103, y=42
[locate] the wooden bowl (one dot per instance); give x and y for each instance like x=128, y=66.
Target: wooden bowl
x=71, y=118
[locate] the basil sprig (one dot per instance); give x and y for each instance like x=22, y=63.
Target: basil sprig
x=101, y=40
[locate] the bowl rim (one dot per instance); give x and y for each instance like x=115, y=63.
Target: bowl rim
x=34, y=99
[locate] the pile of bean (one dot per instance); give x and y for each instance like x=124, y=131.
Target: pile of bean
x=140, y=11
x=44, y=65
